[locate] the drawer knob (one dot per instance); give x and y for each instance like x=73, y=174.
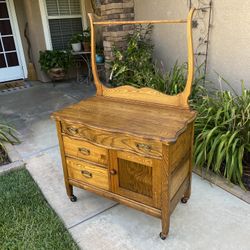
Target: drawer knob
x=72, y=131
x=113, y=172
x=86, y=174
x=84, y=151
x=143, y=146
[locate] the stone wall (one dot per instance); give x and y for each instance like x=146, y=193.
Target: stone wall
x=115, y=36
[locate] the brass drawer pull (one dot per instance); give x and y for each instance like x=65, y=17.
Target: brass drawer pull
x=86, y=174
x=84, y=151
x=143, y=146
x=72, y=131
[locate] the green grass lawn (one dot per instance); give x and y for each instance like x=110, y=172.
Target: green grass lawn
x=26, y=219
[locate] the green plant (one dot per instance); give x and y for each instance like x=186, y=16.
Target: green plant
x=134, y=65
x=222, y=133
x=7, y=135
x=86, y=35
x=76, y=38
x=55, y=59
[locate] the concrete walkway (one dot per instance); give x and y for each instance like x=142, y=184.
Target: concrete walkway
x=212, y=219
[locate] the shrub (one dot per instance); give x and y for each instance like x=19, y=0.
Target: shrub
x=55, y=59
x=7, y=135
x=222, y=133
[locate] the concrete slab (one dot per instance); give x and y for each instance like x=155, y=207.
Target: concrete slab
x=212, y=219
x=49, y=177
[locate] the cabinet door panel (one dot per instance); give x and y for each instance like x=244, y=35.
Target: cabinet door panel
x=135, y=180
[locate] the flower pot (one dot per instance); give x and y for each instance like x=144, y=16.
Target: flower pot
x=99, y=58
x=57, y=74
x=86, y=46
x=76, y=47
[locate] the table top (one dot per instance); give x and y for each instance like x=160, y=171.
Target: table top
x=147, y=121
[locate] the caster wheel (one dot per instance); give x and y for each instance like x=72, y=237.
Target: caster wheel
x=162, y=236
x=73, y=198
x=184, y=200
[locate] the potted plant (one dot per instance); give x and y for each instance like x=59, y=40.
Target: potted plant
x=86, y=40
x=55, y=63
x=99, y=55
x=76, y=42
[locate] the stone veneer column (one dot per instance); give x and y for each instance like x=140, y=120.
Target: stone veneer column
x=115, y=35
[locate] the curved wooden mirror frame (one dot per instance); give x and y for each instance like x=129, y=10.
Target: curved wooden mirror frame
x=145, y=94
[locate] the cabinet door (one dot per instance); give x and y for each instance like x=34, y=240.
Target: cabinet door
x=136, y=177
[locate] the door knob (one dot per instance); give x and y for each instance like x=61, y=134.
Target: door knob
x=113, y=172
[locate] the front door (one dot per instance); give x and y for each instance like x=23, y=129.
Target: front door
x=10, y=65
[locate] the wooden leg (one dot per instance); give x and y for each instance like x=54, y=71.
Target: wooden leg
x=165, y=222
x=187, y=194
x=69, y=190
x=165, y=191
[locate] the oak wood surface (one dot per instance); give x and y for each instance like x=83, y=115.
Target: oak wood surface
x=161, y=123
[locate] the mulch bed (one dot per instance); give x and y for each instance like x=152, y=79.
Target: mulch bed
x=4, y=159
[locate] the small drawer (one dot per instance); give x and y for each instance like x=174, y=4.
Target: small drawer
x=88, y=173
x=84, y=150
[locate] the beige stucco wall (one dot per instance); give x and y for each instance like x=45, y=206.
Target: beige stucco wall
x=29, y=11
x=229, y=47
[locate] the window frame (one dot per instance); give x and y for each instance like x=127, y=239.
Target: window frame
x=45, y=20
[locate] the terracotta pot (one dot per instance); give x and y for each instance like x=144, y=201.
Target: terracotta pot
x=86, y=46
x=57, y=74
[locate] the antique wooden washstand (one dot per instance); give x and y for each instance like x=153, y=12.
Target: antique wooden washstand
x=131, y=145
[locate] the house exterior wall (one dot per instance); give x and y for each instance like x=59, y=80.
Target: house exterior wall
x=29, y=11
x=229, y=49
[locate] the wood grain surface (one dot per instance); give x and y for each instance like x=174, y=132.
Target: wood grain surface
x=161, y=123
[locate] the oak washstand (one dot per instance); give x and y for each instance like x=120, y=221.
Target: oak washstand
x=131, y=145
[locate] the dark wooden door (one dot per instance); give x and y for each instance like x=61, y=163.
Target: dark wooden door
x=136, y=177
x=10, y=68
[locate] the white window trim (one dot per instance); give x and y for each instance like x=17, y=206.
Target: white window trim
x=17, y=37
x=45, y=21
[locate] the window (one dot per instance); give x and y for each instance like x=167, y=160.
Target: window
x=64, y=20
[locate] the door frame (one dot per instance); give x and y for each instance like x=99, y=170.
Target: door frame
x=17, y=37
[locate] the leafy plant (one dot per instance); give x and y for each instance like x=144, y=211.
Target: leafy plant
x=222, y=133
x=7, y=135
x=86, y=35
x=76, y=38
x=55, y=59
x=134, y=65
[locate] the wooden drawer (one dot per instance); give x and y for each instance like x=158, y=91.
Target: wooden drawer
x=117, y=141
x=85, y=150
x=88, y=173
